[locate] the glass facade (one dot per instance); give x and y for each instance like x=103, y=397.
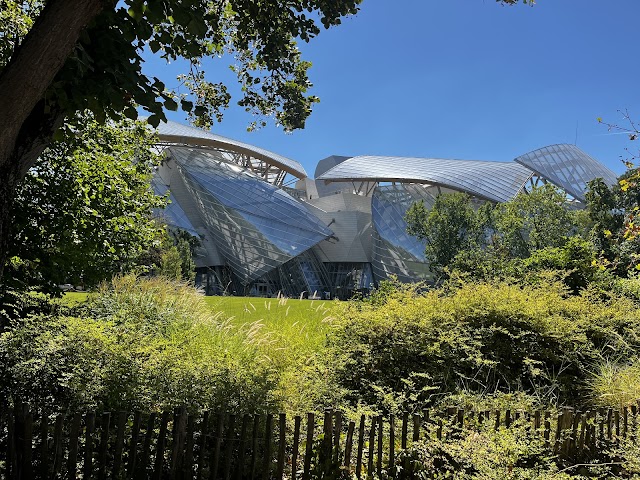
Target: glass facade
x=494, y=181
x=394, y=251
x=256, y=226
x=567, y=167
x=173, y=214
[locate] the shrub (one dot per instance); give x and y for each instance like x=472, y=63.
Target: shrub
x=616, y=384
x=141, y=343
x=409, y=349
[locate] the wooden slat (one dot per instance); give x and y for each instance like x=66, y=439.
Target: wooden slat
x=296, y=447
x=27, y=446
x=90, y=425
x=44, y=445
x=372, y=445
x=348, y=446
x=121, y=424
x=217, y=441
x=133, y=444
x=405, y=431
x=57, y=445
x=415, y=436
x=392, y=443
x=10, y=466
x=177, y=442
x=161, y=444
x=146, y=447
x=266, y=460
x=187, y=469
x=72, y=459
x=282, y=445
x=242, y=447
x=583, y=430
x=254, y=446
x=360, y=447
x=336, y=437
x=104, y=445
x=380, y=452
x=204, y=432
x=311, y=425
x=229, y=444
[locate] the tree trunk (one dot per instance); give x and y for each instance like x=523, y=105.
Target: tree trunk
x=26, y=122
x=36, y=62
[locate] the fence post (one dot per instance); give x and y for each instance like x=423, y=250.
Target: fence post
x=72, y=459
x=217, y=439
x=242, y=446
x=282, y=445
x=44, y=445
x=296, y=446
x=119, y=447
x=104, y=445
x=228, y=451
x=266, y=464
x=90, y=424
x=360, y=447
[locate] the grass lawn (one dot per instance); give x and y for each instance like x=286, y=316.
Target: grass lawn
x=296, y=325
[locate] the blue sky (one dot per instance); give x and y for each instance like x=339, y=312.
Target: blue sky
x=466, y=79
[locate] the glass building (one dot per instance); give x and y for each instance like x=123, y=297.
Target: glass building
x=265, y=227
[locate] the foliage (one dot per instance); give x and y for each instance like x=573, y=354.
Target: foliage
x=136, y=343
x=16, y=19
x=616, y=384
x=535, y=231
x=292, y=334
x=479, y=337
x=612, y=211
x=451, y=226
x=531, y=221
x=176, y=257
x=83, y=212
x=483, y=453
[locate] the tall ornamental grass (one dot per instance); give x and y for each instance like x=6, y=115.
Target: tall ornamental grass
x=137, y=343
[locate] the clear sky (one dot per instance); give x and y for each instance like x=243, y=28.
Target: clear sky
x=466, y=79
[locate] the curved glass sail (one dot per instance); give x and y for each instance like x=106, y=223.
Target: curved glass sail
x=495, y=181
x=256, y=226
x=173, y=214
x=567, y=167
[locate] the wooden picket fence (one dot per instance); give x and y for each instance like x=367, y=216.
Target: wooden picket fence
x=176, y=445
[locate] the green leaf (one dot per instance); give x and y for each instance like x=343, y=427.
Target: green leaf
x=171, y=104
x=153, y=120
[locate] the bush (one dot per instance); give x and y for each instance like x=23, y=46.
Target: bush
x=409, y=349
x=146, y=344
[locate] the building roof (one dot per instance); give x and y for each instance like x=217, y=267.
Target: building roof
x=567, y=167
x=496, y=181
x=173, y=132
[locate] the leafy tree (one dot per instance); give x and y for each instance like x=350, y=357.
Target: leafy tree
x=87, y=54
x=532, y=221
x=176, y=261
x=485, y=240
x=448, y=228
x=613, y=211
x=83, y=211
